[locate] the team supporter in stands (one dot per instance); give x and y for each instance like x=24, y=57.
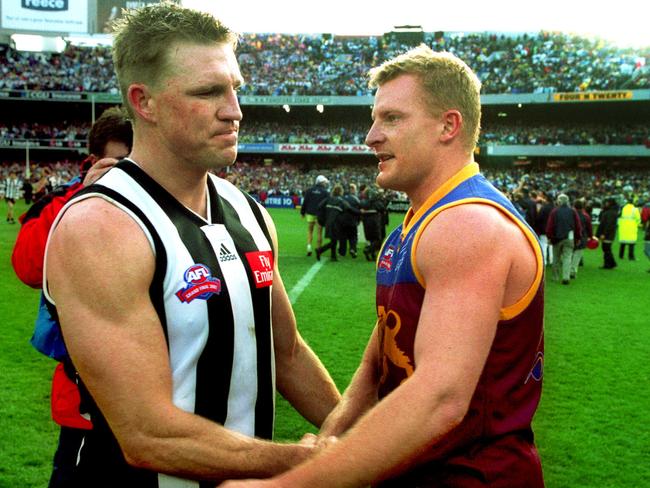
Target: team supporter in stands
x=283, y=64
x=451, y=378
x=178, y=355
x=110, y=139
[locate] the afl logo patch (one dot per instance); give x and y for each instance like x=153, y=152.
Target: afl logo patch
x=200, y=284
x=386, y=261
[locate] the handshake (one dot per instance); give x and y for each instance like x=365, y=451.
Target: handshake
x=313, y=442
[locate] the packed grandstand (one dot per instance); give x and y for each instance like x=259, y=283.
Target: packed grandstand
x=592, y=149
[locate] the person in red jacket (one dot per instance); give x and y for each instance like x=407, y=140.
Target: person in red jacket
x=110, y=139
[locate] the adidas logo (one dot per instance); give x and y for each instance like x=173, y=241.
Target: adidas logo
x=225, y=254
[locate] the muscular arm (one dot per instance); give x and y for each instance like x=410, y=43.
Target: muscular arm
x=100, y=265
x=301, y=377
x=460, y=252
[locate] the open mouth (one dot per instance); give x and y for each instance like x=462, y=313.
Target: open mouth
x=384, y=157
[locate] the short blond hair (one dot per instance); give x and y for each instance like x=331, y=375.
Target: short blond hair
x=448, y=82
x=144, y=36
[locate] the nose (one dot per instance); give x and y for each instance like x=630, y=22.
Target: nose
x=230, y=109
x=374, y=135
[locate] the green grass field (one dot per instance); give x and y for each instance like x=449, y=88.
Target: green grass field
x=592, y=425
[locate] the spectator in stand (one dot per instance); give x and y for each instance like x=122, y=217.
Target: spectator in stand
x=309, y=210
x=298, y=64
x=586, y=233
x=110, y=139
x=629, y=221
x=607, y=232
x=563, y=228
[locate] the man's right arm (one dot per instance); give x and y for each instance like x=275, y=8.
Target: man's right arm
x=100, y=266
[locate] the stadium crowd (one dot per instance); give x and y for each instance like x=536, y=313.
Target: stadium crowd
x=256, y=131
x=291, y=179
x=284, y=64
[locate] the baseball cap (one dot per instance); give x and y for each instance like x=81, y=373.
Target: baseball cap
x=321, y=179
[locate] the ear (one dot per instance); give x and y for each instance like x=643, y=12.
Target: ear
x=140, y=99
x=452, y=121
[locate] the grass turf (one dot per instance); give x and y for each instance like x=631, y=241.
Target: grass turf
x=591, y=426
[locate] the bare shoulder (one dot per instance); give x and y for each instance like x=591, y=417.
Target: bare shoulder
x=94, y=242
x=471, y=226
x=474, y=236
x=97, y=223
x=477, y=243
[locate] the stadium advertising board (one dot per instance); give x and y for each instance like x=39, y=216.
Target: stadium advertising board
x=109, y=10
x=279, y=202
x=325, y=148
x=45, y=15
x=594, y=96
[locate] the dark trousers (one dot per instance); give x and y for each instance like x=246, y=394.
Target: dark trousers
x=65, y=457
x=630, y=251
x=332, y=244
x=608, y=256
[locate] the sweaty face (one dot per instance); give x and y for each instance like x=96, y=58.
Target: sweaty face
x=404, y=135
x=196, y=106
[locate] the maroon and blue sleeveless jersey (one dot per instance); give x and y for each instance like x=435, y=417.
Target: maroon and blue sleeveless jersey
x=493, y=445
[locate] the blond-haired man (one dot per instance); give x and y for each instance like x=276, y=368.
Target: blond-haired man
x=451, y=378
x=169, y=296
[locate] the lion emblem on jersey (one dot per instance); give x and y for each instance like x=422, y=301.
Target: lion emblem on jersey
x=390, y=324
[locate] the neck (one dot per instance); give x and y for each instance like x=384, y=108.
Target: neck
x=188, y=184
x=435, y=180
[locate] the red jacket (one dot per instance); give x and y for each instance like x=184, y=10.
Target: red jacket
x=29, y=250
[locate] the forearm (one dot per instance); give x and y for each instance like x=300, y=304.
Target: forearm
x=185, y=445
x=383, y=443
x=305, y=383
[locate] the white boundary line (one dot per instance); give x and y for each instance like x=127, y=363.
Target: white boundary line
x=303, y=283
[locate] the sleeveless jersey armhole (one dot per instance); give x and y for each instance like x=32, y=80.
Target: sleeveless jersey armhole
x=81, y=198
x=520, y=305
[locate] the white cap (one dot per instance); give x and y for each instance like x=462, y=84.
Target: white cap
x=321, y=179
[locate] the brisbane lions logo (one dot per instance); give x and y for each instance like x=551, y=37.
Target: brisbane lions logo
x=200, y=284
x=390, y=324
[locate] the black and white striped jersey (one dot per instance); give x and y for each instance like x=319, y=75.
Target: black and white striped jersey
x=212, y=292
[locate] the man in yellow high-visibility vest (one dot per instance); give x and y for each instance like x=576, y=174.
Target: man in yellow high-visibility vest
x=629, y=221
